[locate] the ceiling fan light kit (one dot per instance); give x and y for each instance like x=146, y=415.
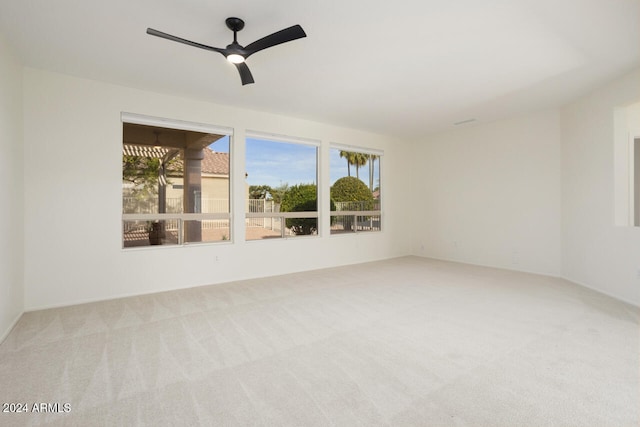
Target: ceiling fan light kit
x=235, y=52
x=234, y=58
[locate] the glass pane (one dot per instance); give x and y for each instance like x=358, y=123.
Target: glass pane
x=342, y=224
x=256, y=231
x=281, y=177
x=150, y=233
x=355, y=186
x=368, y=223
x=167, y=171
x=353, y=223
x=210, y=230
x=636, y=184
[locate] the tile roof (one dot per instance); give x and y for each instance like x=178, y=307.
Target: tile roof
x=215, y=163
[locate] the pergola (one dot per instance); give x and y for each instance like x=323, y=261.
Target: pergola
x=165, y=144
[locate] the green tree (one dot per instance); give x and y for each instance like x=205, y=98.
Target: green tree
x=353, y=195
x=354, y=159
x=301, y=198
x=359, y=160
x=277, y=193
x=259, y=191
x=148, y=175
x=351, y=189
x=142, y=172
x=348, y=155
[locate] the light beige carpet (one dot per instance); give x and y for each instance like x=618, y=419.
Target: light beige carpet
x=404, y=342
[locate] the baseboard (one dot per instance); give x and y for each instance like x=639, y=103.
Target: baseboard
x=568, y=279
x=93, y=300
x=151, y=292
x=103, y=299
x=491, y=266
x=601, y=292
x=10, y=328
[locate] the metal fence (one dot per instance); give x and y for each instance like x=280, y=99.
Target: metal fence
x=363, y=205
x=267, y=206
x=134, y=205
x=131, y=205
x=354, y=223
x=351, y=220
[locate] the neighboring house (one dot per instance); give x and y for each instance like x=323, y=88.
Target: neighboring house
x=214, y=193
x=215, y=182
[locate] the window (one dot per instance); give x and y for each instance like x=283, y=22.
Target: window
x=355, y=190
x=636, y=181
x=282, y=188
x=175, y=185
x=626, y=156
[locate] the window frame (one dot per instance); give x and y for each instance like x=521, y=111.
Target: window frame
x=287, y=139
x=634, y=178
x=145, y=120
x=355, y=214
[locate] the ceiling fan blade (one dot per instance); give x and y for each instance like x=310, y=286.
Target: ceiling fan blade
x=157, y=33
x=245, y=74
x=282, y=36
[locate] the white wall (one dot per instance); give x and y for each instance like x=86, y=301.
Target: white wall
x=636, y=180
x=596, y=253
x=11, y=190
x=73, y=141
x=490, y=194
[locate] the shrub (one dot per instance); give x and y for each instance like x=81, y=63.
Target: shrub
x=355, y=193
x=351, y=189
x=301, y=198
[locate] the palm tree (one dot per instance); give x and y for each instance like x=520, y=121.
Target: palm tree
x=347, y=155
x=356, y=159
x=359, y=160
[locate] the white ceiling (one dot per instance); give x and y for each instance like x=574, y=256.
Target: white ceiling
x=404, y=68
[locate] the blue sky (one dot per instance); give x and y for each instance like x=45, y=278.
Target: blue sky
x=221, y=145
x=276, y=163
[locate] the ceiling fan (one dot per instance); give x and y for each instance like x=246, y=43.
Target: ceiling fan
x=236, y=53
